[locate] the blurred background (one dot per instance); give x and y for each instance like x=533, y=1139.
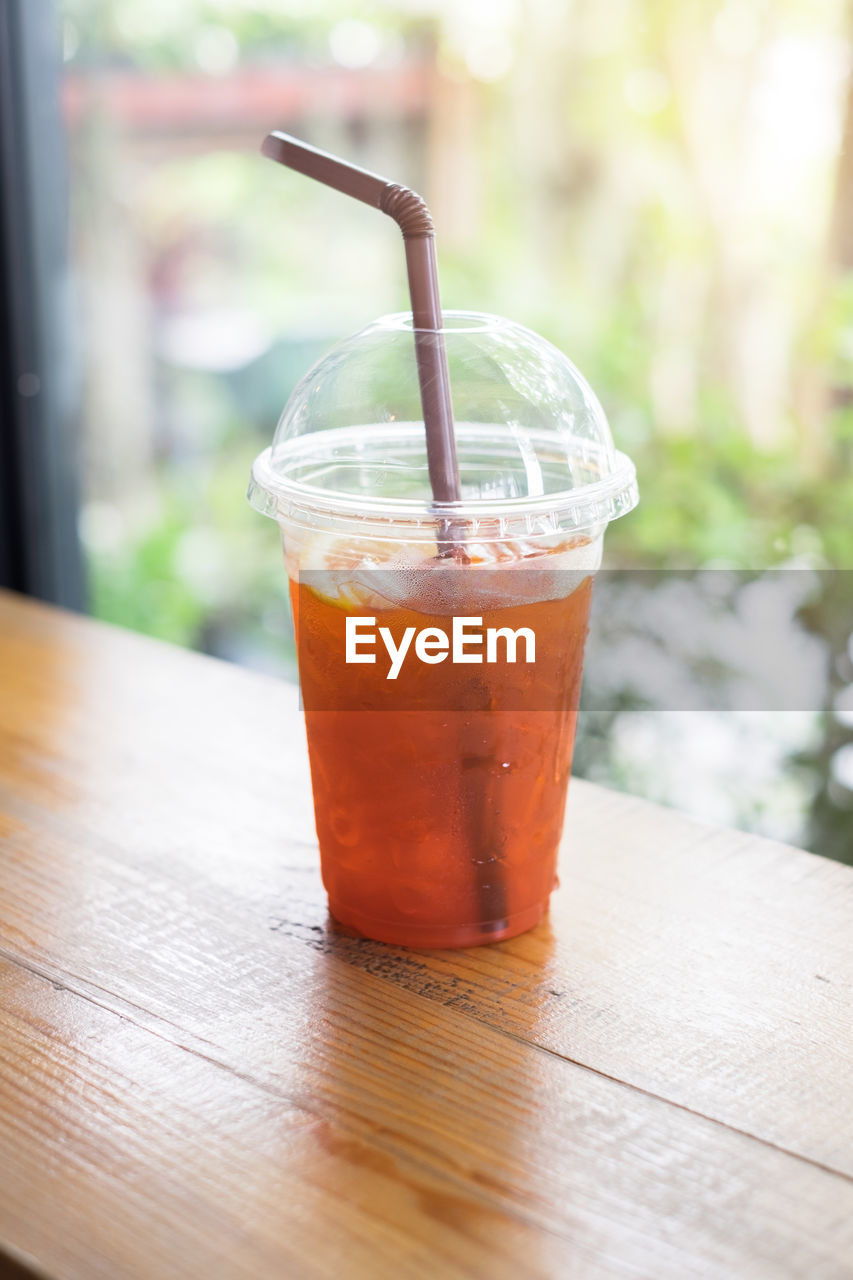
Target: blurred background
x=663, y=188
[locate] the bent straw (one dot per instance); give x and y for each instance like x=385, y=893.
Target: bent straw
x=413, y=217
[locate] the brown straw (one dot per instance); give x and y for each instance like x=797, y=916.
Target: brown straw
x=414, y=220
x=413, y=217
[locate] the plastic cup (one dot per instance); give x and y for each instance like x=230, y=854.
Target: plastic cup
x=440, y=788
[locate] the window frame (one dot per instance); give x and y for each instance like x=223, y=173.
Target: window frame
x=40, y=552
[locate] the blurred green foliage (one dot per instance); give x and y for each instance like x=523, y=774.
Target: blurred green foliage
x=205, y=572
x=656, y=186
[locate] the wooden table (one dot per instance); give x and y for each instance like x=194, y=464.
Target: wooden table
x=200, y=1077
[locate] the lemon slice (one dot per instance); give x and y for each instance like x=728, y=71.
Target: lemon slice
x=341, y=563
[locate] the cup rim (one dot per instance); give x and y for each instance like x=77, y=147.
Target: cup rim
x=586, y=506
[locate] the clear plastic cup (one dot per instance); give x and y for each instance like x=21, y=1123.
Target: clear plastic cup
x=440, y=788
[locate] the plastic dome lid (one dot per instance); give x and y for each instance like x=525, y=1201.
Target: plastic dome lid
x=534, y=446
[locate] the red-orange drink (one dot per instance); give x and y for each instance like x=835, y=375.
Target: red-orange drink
x=439, y=790
x=439, y=796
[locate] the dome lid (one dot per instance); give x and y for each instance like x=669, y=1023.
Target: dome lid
x=534, y=448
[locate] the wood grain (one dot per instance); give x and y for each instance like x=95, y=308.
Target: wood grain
x=389, y=1142
x=207, y=1077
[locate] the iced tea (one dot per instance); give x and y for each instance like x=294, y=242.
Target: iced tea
x=439, y=796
